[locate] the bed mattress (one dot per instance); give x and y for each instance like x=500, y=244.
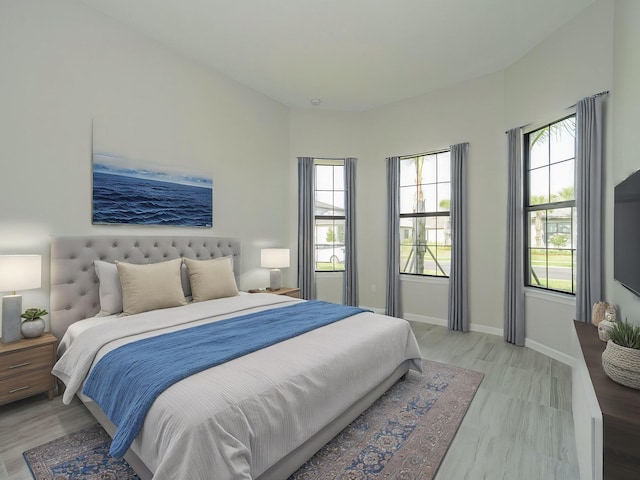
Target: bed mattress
x=238, y=419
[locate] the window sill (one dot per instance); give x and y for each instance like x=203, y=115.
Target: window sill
x=330, y=274
x=424, y=279
x=564, y=299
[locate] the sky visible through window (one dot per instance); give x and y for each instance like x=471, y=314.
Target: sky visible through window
x=550, y=207
x=329, y=215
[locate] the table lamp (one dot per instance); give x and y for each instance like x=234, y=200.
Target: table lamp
x=17, y=272
x=275, y=259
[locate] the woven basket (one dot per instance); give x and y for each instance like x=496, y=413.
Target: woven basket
x=622, y=364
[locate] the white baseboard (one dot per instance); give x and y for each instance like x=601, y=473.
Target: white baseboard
x=443, y=323
x=412, y=317
x=550, y=352
x=499, y=332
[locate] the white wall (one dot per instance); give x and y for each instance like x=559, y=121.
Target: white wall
x=325, y=134
x=63, y=66
x=625, y=134
x=470, y=112
x=574, y=62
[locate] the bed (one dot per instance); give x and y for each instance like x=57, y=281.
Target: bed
x=259, y=416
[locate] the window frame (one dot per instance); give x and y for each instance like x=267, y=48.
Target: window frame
x=416, y=215
x=527, y=208
x=327, y=162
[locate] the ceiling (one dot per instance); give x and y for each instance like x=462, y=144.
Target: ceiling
x=350, y=54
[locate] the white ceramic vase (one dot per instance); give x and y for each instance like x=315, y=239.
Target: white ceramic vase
x=604, y=327
x=32, y=328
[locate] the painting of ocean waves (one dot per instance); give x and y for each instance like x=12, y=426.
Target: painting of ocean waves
x=128, y=193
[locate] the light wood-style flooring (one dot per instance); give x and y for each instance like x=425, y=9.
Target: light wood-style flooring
x=519, y=425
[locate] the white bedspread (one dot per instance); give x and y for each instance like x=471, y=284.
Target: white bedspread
x=236, y=420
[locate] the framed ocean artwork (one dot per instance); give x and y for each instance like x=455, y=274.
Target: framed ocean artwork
x=135, y=192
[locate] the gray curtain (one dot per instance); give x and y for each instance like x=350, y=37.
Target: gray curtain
x=458, y=278
x=306, y=268
x=514, y=277
x=350, y=284
x=393, y=303
x=589, y=118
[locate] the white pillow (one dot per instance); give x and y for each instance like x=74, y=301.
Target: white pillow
x=150, y=287
x=110, y=289
x=184, y=277
x=211, y=279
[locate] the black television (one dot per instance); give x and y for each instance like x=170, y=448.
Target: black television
x=626, y=233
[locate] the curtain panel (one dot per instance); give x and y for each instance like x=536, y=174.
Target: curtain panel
x=393, y=306
x=458, y=278
x=589, y=128
x=350, y=283
x=306, y=267
x=514, y=318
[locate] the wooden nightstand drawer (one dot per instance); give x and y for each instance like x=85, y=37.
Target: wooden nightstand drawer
x=23, y=361
x=25, y=368
x=22, y=386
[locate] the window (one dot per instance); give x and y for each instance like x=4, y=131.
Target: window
x=329, y=215
x=550, y=208
x=425, y=229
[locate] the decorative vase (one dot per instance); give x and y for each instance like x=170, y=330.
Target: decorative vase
x=598, y=311
x=32, y=328
x=622, y=364
x=603, y=329
x=610, y=314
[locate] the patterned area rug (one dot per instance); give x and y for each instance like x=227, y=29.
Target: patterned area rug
x=403, y=435
x=82, y=455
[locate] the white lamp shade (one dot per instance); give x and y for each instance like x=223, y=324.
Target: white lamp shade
x=274, y=257
x=20, y=272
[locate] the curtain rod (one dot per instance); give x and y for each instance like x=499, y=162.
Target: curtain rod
x=521, y=126
x=606, y=92
x=433, y=152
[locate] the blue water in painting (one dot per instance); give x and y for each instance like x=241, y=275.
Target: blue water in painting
x=129, y=200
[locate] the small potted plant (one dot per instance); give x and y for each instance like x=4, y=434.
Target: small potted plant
x=621, y=358
x=33, y=324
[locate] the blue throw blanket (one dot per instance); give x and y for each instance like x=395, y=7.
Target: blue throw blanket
x=127, y=380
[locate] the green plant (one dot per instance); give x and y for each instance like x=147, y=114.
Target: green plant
x=331, y=237
x=559, y=240
x=625, y=335
x=31, y=314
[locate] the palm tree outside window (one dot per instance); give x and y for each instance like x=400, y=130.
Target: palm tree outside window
x=550, y=208
x=425, y=229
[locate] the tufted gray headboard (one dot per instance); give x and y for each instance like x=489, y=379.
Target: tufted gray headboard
x=74, y=284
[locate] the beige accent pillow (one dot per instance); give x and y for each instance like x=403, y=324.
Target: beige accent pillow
x=150, y=287
x=211, y=278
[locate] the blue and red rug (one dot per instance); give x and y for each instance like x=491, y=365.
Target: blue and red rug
x=404, y=434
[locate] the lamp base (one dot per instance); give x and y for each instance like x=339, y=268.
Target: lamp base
x=11, y=311
x=275, y=279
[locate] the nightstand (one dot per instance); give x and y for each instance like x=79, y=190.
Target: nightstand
x=25, y=368
x=289, y=292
